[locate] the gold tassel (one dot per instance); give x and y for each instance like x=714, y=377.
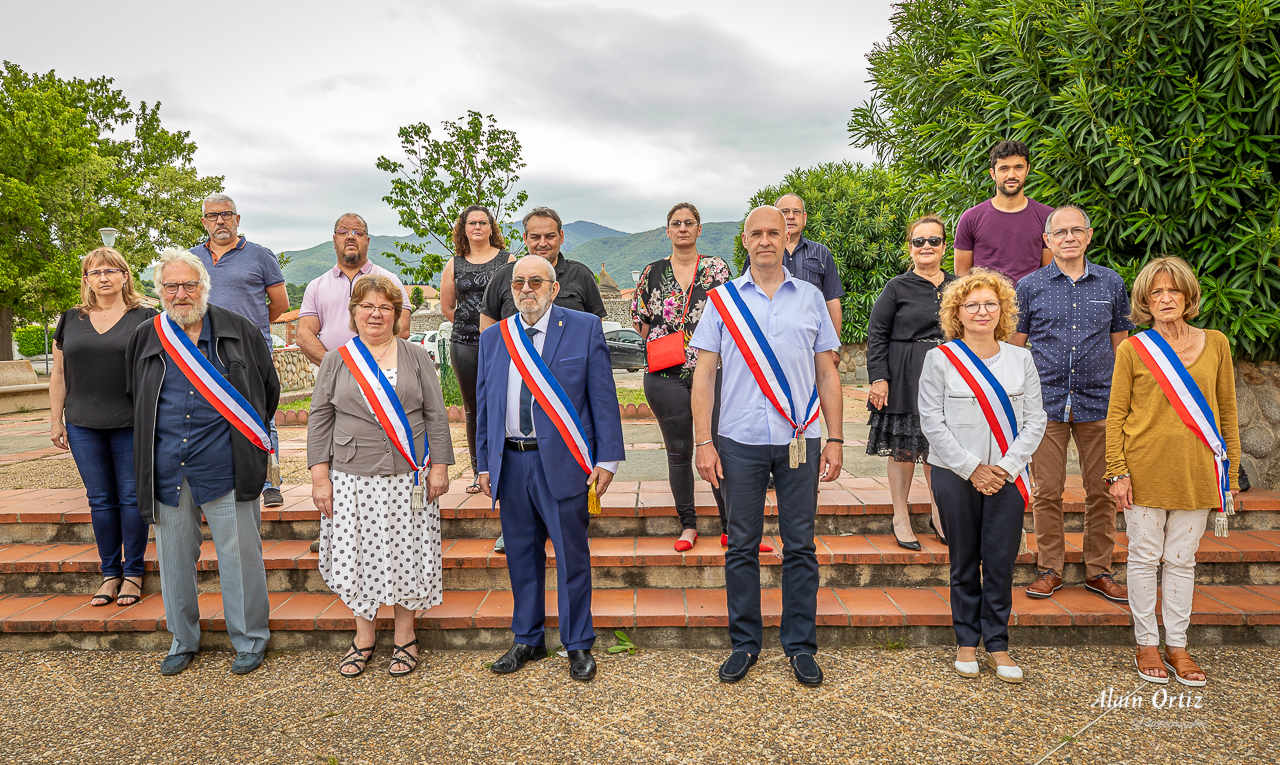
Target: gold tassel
x=416, y=498
x=593, y=501
x=273, y=470
x=1229, y=505
x=1220, y=524
x=1022, y=543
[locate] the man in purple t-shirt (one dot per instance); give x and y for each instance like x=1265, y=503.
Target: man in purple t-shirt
x=1004, y=232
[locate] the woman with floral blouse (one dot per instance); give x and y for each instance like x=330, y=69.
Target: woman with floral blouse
x=669, y=299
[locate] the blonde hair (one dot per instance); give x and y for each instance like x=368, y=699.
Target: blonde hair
x=109, y=257
x=384, y=287
x=955, y=293
x=1184, y=279
x=923, y=219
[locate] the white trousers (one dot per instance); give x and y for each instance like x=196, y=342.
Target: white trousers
x=1171, y=536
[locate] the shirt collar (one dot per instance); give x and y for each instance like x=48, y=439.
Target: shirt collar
x=1055, y=271
x=366, y=268
x=748, y=278
x=240, y=243
x=541, y=324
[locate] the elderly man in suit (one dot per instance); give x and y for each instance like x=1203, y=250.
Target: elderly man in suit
x=548, y=428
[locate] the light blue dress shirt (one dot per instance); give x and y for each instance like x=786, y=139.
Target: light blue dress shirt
x=797, y=326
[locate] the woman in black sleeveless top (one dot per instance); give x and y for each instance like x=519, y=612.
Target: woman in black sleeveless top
x=479, y=253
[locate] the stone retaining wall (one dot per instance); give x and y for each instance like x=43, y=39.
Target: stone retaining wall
x=1258, y=407
x=853, y=364
x=425, y=321
x=295, y=370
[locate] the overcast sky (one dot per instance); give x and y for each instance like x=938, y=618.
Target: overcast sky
x=623, y=107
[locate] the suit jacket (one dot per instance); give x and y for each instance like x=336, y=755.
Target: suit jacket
x=343, y=432
x=577, y=354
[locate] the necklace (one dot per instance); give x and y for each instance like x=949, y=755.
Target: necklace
x=1185, y=345
x=378, y=356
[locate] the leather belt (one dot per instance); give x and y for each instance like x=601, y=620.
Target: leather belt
x=521, y=445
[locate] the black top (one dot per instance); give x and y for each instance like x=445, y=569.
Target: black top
x=578, y=291
x=469, y=282
x=903, y=327
x=93, y=368
x=660, y=302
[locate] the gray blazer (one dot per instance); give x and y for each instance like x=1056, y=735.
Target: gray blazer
x=344, y=433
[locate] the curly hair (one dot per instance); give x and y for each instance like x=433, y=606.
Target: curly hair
x=957, y=291
x=462, y=245
x=1183, y=278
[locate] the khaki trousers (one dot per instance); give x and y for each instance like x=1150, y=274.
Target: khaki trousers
x=1049, y=473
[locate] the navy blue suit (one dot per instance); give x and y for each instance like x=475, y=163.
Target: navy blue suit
x=543, y=493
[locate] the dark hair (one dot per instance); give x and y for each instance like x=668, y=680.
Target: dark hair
x=923, y=219
x=462, y=245
x=543, y=212
x=684, y=206
x=1009, y=149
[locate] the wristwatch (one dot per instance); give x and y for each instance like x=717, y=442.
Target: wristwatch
x=1115, y=478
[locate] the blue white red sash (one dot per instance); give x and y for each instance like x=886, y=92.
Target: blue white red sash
x=993, y=400
x=383, y=401
x=760, y=358
x=215, y=388
x=544, y=387
x=1190, y=404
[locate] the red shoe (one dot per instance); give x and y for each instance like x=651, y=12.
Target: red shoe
x=684, y=545
x=724, y=542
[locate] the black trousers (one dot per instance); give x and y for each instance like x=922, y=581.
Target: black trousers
x=671, y=402
x=983, y=533
x=466, y=360
x=746, y=477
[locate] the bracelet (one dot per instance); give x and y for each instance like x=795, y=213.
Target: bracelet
x=835, y=440
x=1115, y=478
x=703, y=443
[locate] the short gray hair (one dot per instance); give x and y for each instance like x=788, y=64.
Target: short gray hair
x=778, y=202
x=174, y=255
x=550, y=268
x=1048, y=222
x=220, y=198
x=357, y=216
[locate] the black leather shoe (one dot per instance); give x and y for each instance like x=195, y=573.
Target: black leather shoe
x=736, y=666
x=272, y=497
x=518, y=655
x=174, y=664
x=581, y=666
x=806, y=668
x=913, y=545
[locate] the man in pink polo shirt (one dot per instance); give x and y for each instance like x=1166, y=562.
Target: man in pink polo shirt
x=324, y=321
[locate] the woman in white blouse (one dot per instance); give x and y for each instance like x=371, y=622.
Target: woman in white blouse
x=980, y=502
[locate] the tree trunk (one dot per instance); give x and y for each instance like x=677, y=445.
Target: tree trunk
x=6, y=333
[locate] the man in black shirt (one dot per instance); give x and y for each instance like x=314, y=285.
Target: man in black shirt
x=543, y=235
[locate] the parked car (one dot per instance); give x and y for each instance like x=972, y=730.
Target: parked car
x=430, y=341
x=626, y=349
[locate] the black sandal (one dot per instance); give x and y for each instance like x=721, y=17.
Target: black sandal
x=355, y=657
x=400, y=656
x=474, y=488
x=106, y=599
x=125, y=601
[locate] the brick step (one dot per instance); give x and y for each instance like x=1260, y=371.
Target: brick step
x=470, y=564
x=654, y=618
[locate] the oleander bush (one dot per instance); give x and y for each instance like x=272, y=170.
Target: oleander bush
x=31, y=340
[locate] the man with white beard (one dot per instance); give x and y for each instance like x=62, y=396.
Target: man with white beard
x=203, y=386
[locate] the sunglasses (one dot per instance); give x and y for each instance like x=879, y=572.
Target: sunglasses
x=932, y=241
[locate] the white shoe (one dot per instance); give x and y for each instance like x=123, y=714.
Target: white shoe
x=1011, y=674
x=967, y=668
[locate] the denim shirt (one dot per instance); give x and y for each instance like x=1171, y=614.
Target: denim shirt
x=193, y=440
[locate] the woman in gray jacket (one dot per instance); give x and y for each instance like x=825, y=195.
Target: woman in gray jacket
x=981, y=410
x=377, y=416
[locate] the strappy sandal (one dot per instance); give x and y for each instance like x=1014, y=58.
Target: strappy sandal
x=102, y=599
x=401, y=656
x=474, y=488
x=1181, y=664
x=125, y=601
x=355, y=657
x=1148, y=658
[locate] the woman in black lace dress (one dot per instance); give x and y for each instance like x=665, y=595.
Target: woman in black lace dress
x=479, y=252
x=903, y=328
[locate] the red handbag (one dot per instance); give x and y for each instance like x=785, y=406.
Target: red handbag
x=669, y=350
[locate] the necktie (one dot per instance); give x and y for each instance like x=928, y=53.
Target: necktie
x=526, y=396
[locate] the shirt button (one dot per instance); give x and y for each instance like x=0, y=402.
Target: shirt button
x=182, y=464
x=184, y=440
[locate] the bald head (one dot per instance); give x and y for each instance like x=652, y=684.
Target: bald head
x=764, y=235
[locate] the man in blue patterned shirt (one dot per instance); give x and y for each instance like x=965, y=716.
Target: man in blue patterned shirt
x=1076, y=314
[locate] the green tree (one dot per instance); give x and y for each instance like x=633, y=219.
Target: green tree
x=76, y=157
x=1159, y=119
x=475, y=163
x=858, y=213
x=416, y=298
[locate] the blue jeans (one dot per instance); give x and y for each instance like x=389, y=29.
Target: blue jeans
x=275, y=445
x=105, y=461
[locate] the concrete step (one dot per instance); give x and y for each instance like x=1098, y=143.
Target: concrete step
x=652, y=618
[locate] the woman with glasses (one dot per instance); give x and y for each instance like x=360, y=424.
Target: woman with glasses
x=87, y=387
x=479, y=252
x=379, y=524
x=981, y=410
x=904, y=327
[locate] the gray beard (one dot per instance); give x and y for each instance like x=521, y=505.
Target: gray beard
x=200, y=309
x=535, y=316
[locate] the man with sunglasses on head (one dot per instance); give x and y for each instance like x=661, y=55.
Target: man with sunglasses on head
x=1003, y=233
x=247, y=279
x=1075, y=313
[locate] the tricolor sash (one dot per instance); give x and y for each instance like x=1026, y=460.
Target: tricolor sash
x=763, y=362
x=993, y=400
x=544, y=387
x=383, y=401
x=215, y=388
x=1193, y=409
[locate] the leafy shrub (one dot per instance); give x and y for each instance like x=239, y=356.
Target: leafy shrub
x=31, y=340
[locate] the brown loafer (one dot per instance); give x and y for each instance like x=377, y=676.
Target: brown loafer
x=1181, y=663
x=1105, y=586
x=1045, y=585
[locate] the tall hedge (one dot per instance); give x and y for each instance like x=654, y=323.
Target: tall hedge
x=1158, y=118
x=857, y=212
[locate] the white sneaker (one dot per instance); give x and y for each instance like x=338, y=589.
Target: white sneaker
x=967, y=668
x=1011, y=674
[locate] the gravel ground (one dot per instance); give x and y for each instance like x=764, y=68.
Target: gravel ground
x=876, y=706
x=41, y=474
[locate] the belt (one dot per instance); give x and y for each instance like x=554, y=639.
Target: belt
x=520, y=445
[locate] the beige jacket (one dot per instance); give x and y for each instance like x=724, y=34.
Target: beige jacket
x=343, y=432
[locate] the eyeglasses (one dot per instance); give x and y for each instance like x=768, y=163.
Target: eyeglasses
x=478, y=223
x=1076, y=233
x=171, y=288
x=370, y=308
x=976, y=307
x=792, y=211
x=224, y=215
x=95, y=273
x=687, y=223
x=932, y=241
x=356, y=232
x=535, y=283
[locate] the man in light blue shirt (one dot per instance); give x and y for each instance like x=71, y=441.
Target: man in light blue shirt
x=755, y=441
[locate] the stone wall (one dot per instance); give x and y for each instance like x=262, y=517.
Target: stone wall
x=1258, y=408
x=853, y=364
x=619, y=310
x=295, y=370
x=425, y=321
